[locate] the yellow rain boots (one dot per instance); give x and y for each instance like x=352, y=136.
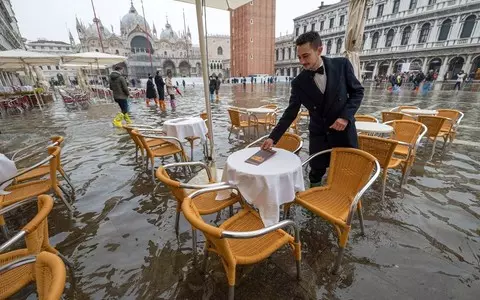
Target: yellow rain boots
x=148, y=102
x=127, y=118
x=117, y=121
x=163, y=106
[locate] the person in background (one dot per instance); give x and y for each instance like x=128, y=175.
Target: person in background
x=151, y=94
x=171, y=90
x=119, y=88
x=331, y=92
x=217, y=87
x=161, y=91
x=212, y=85
x=460, y=77
x=183, y=84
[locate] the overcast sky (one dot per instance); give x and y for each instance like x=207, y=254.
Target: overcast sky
x=51, y=19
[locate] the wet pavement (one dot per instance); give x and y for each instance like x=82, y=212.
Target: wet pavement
x=422, y=243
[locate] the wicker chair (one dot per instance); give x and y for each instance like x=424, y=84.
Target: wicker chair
x=242, y=239
x=399, y=108
x=152, y=143
x=349, y=176
x=388, y=116
x=206, y=203
x=434, y=126
x=22, y=191
x=43, y=169
x=289, y=141
x=169, y=146
x=46, y=270
x=450, y=127
x=269, y=121
x=382, y=149
x=204, y=116
x=237, y=122
x=35, y=232
x=294, y=124
x=366, y=118
x=270, y=105
x=408, y=135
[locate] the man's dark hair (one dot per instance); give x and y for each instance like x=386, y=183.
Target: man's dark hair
x=158, y=73
x=117, y=68
x=311, y=37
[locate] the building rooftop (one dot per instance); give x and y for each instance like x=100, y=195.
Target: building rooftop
x=42, y=41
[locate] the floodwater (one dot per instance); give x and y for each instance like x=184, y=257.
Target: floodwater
x=424, y=243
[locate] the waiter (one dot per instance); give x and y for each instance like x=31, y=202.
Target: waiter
x=328, y=88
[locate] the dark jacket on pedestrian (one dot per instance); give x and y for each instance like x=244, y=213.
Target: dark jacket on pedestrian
x=118, y=85
x=151, y=89
x=342, y=98
x=217, y=84
x=212, y=85
x=160, y=86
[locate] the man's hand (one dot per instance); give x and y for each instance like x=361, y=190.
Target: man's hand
x=267, y=145
x=339, y=124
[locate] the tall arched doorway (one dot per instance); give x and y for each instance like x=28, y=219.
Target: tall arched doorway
x=369, y=68
x=169, y=65
x=475, y=69
x=397, y=66
x=416, y=65
x=184, y=68
x=455, y=65
x=435, y=64
x=383, y=68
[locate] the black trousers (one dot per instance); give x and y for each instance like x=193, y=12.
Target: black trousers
x=457, y=84
x=123, y=105
x=161, y=93
x=318, y=165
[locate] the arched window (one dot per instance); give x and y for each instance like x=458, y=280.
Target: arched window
x=329, y=46
x=413, y=4
x=276, y=54
x=289, y=53
x=375, y=40
x=389, y=40
x=219, y=51
x=339, y=46
x=283, y=54
x=396, y=6
x=406, y=35
x=363, y=41
x=468, y=27
x=424, y=32
x=444, y=30
x=211, y=66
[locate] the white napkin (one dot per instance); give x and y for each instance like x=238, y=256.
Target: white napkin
x=7, y=170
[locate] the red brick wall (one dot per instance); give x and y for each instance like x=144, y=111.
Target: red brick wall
x=253, y=45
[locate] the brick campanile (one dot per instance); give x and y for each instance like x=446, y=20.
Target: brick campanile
x=252, y=32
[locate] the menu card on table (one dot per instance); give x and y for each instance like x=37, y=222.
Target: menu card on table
x=260, y=157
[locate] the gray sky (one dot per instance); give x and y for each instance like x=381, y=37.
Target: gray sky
x=51, y=19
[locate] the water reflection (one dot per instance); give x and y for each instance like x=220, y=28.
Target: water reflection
x=422, y=242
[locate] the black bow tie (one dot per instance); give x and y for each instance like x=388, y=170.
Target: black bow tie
x=320, y=71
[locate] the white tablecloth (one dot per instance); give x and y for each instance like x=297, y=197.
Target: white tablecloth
x=185, y=127
x=268, y=185
x=420, y=112
x=7, y=170
x=370, y=127
x=260, y=110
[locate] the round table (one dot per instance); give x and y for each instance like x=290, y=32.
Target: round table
x=373, y=128
x=420, y=112
x=268, y=185
x=182, y=128
x=260, y=110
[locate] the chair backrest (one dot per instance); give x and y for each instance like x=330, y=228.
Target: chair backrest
x=134, y=137
x=204, y=115
x=434, y=124
x=37, y=238
x=381, y=148
x=143, y=142
x=50, y=276
x=57, y=139
x=212, y=234
x=290, y=142
x=54, y=163
x=390, y=116
x=173, y=185
x=366, y=118
x=406, y=131
x=234, y=116
x=349, y=171
x=454, y=115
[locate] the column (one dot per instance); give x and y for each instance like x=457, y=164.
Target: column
x=414, y=35
x=2, y=79
x=476, y=29
x=424, y=67
x=390, y=68
x=397, y=38
x=455, y=32
x=375, y=70
x=381, y=40
x=443, y=69
x=434, y=32
x=468, y=64
x=368, y=42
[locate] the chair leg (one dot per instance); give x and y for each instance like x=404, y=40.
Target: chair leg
x=231, y=128
x=191, y=150
x=59, y=194
x=433, y=149
x=68, y=180
x=230, y=209
x=384, y=183
x=299, y=273
x=231, y=292
x=177, y=221
x=338, y=260
x=194, y=244
x=5, y=231
x=153, y=171
x=65, y=192
x=360, y=218
x=65, y=260
x=205, y=259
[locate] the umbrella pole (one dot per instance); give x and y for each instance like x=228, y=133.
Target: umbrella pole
x=201, y=35
x=33, y=82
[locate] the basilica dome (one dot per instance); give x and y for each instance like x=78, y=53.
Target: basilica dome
x=131, y=20
x=91, y=30
x=168, y=33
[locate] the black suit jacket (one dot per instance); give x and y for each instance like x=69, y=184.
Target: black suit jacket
x=343, y=95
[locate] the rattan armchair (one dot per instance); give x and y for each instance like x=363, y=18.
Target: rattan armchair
x=40, y=171
x=170, y=146
x=408, y=135
x=434, y=126
x=242, y=239
x=45, y=269
x=366, y=118
x=236, y=121
x=205, y=204
x=450, y=127
x=349, y=176
x=152, y=143
x=388, y=116
x=382, y=149
x=289, y=141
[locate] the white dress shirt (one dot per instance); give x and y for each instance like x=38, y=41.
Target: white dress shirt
x=321, y=79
